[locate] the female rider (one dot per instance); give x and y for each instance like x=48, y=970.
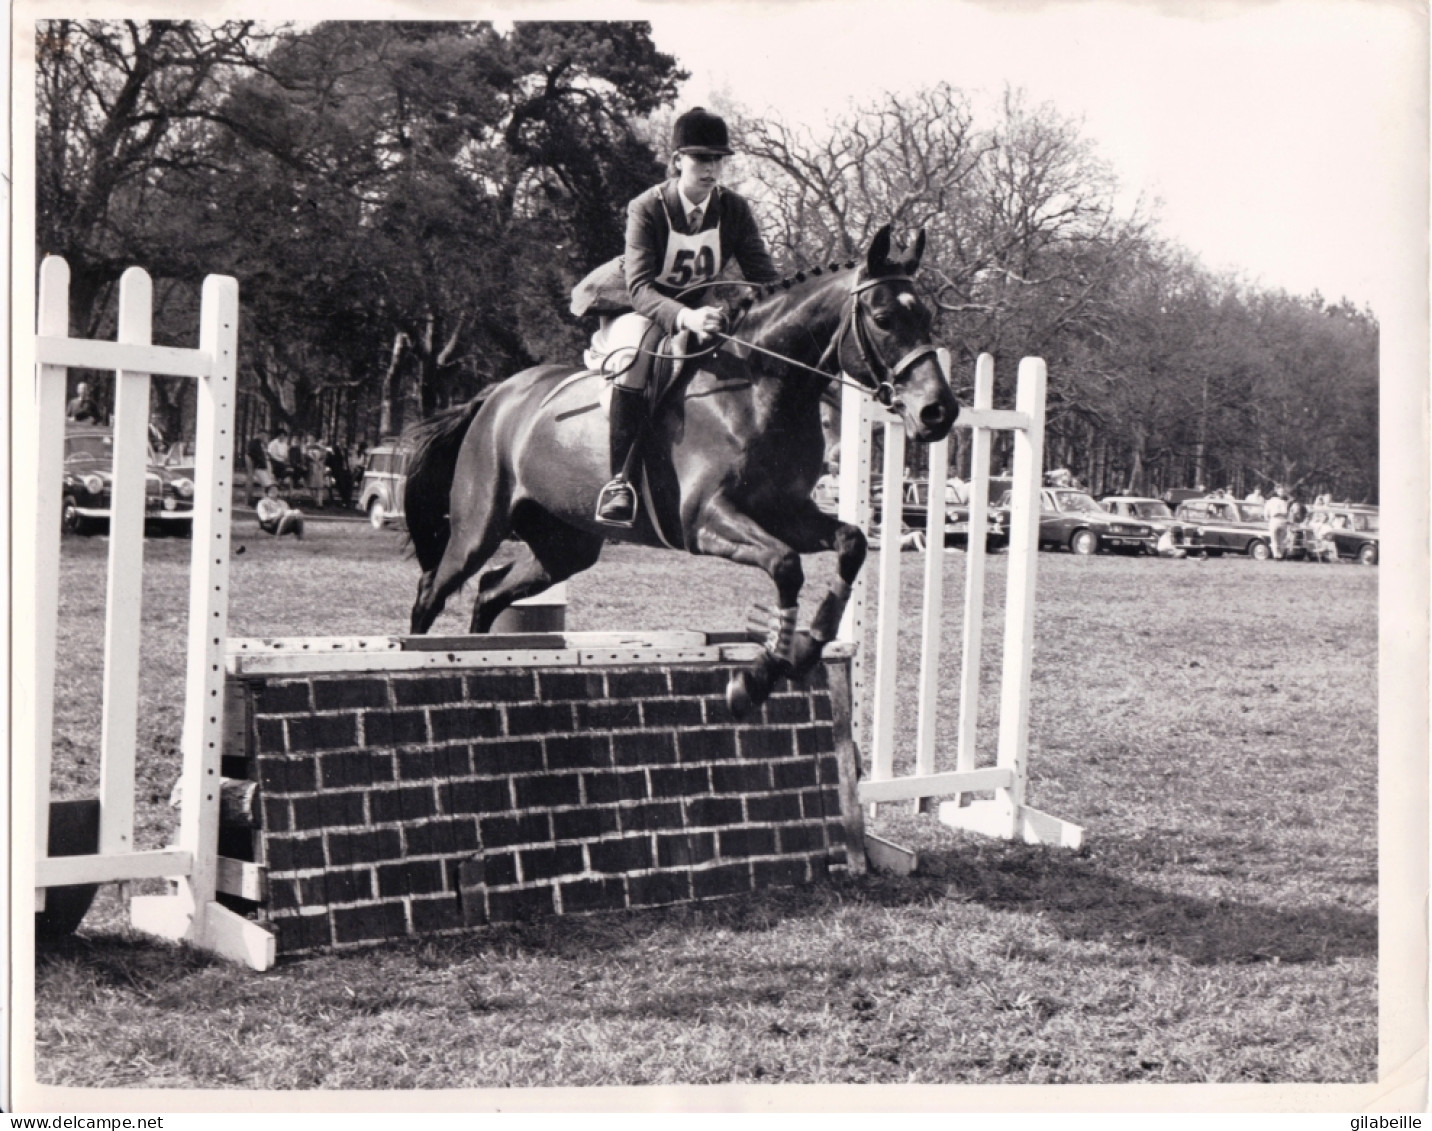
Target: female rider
x=679, y=233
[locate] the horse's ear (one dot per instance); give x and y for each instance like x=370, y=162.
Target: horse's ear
x=879, y=254
x=912, y=261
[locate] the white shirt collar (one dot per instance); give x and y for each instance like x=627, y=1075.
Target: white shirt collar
x=689, y=204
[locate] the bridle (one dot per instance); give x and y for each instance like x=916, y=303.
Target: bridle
x=857, y=319
x=880, y=377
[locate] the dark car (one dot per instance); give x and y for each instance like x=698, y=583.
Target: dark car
x=89, y=475
x=1352, y=529
x=1154, y=512
x=1216, y=526
x=916, y=507
x=1071, y=518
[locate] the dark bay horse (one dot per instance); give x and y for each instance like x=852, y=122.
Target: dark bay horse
x=730, y=457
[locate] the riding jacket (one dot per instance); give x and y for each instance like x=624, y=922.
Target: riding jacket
x=663, y=256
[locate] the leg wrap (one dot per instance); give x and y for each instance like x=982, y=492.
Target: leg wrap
x=780, y=643
x=826, y=622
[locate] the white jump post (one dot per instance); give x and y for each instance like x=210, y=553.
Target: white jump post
x=1006, y=815
x=192, y=914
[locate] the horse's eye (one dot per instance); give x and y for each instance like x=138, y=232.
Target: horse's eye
x=883, y=321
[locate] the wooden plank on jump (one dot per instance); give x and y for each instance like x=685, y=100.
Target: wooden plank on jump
x=932, y=608
x=1023, y=571
x=133, y=357
x=917, y=786
x=120, y=720
x=1000, y=419
x=972, y=641
x=48, y=436
x=278, y=664
x=887, y=617
x=241, y=878
x=62, y=871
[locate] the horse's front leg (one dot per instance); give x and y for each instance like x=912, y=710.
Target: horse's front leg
x=726, y=532
x=813, y=531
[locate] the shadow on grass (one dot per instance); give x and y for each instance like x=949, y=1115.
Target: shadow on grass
x=1079, y=897
x=1074, y=894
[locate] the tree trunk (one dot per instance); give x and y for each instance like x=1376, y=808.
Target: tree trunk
x=389, y=386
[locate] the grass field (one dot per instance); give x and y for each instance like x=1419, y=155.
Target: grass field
x=1212, y=725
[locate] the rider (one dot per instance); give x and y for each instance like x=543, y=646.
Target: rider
x=680, y=232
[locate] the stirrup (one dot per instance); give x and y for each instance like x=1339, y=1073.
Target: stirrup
x=616, y=505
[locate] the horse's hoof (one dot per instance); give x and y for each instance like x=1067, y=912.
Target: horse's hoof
x=738, y=696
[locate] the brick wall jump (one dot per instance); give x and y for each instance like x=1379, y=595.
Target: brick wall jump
x=412, y=802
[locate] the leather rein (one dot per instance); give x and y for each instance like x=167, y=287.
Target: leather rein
x=881, y=377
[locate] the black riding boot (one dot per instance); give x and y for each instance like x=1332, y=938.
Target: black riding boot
x=616, y=504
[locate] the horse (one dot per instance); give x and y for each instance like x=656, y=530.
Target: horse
x=730, y=456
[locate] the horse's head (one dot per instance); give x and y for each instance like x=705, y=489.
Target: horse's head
x=886, y=343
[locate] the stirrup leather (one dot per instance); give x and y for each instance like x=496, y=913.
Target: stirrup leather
x=616, y=504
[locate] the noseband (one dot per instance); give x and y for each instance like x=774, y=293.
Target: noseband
x=881, y=377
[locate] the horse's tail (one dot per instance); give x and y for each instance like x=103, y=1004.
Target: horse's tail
x=436, y=443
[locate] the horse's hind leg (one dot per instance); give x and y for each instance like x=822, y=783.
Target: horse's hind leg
x=463, y=557
x=554, y=552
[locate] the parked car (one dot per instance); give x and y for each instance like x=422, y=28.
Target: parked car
x=178, y=457
x=381, y=494
x=1071, y=518
x=89, y=477
x=916, y=508
x=1354, y=530
x=1232, y=526
x=1155, y=512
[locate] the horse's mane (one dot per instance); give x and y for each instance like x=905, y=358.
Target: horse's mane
x=763, y=296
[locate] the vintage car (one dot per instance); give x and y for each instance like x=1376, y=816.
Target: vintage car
x=1155, y=512
x=1352, y=529
x=1071, y=518
x=381, y=493
x=1217, y=526
x=89, y=473
x=916, y=508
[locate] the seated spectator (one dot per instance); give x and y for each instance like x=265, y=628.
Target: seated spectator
x=277, y=517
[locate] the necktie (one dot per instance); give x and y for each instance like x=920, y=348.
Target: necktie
x=694, y=219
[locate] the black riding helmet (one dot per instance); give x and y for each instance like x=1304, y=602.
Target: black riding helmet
x=699, y=131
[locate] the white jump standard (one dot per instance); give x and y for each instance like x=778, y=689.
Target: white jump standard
x=1005, y=815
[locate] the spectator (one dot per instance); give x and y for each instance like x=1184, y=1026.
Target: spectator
x=827, y=489
x=297, y=464
x=257, y=466
x=316, y=456
x=1254, y=496
x=1168, y=546
x=278, y=456
x=1321, y=545
x=277, y=517
x=342, y=474
x=360, y=460
x=957, y=491
x=82, y=409
x=1277, y=512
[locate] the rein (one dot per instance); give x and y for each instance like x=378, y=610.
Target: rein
x=856, y=317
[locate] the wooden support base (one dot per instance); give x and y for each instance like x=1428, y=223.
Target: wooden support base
x=1002, y=819
x=222, y=931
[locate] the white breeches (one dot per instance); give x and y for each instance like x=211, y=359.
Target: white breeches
x=614, y=346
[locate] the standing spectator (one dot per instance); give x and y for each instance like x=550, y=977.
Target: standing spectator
x=257, y=465
x=277, y=517
x=82, y=408
x=342, y=474
x=1277, y=511
x=297, y=464
x=316, y=455
x=278, y=456
x=360, y=460
x=1254, y=496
